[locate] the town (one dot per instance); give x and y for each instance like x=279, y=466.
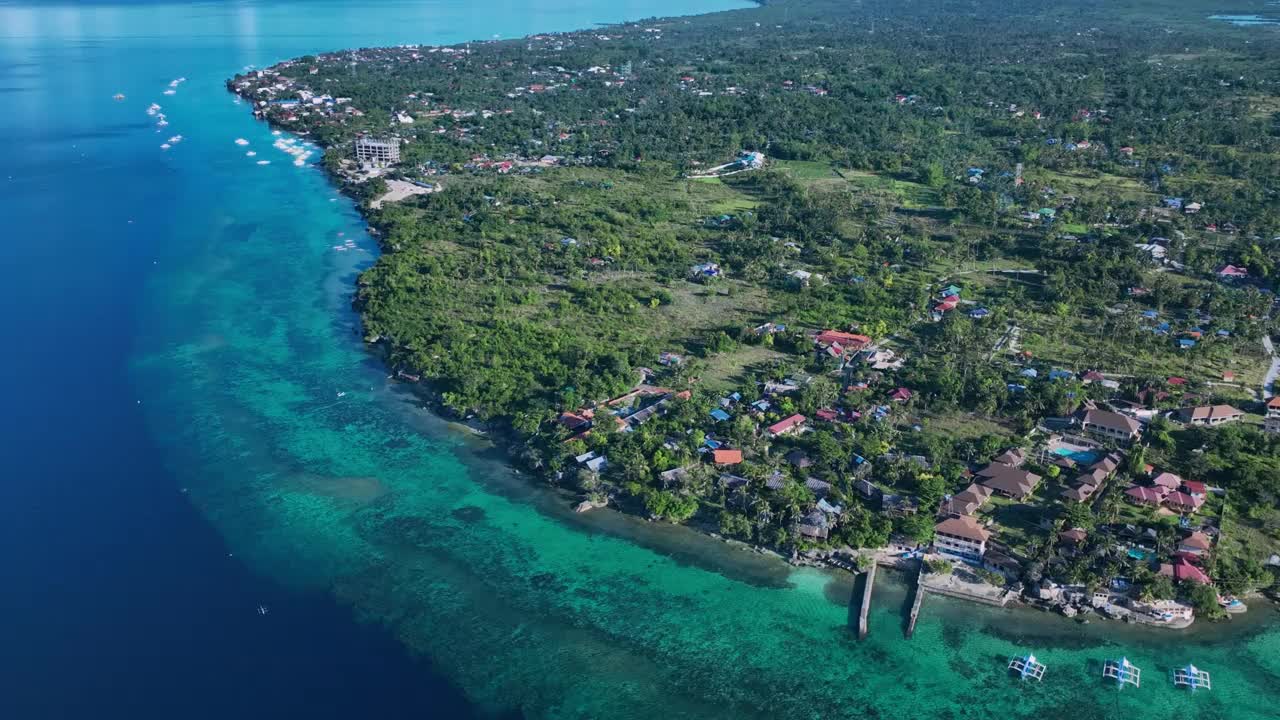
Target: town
x=846, y=303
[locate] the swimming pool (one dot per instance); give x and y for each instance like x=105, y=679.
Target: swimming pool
x=1084, y=457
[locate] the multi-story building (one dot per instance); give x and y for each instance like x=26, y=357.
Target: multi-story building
x=1107, y=425
x=961, y=537
x=1272, y=423
x=377, y=151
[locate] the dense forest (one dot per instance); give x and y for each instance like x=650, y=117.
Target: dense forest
x=1011, y=201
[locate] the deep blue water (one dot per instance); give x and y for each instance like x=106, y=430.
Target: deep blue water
x=117, y=598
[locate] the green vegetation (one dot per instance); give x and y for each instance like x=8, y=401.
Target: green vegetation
x=612, y=272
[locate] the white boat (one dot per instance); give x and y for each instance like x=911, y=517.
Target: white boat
x=342, y=394
x=165, y=146
x=264, y=162
x=241, y=141
x=251, y=154
x=262, y=610
x=171, y=91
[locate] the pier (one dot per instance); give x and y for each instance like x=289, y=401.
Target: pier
x=868, y=581
x=916, y=601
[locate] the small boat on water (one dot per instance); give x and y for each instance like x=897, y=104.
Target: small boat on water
x=264, y=162
x=165, y=146
x=118, y=97
x=262, y=610
x=1123, y=672
x=170, y=91
x=1192, y=677
x=241, y=141
x=1027, y=667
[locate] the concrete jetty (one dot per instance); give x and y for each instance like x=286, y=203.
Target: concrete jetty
x=869, y=580
x=916, y=601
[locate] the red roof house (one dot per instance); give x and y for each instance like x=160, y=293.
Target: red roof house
x=848, y=342
x=900, y=395
x=1145, y=495
x=1183, y=502
x=788, y=426
x=726, y=457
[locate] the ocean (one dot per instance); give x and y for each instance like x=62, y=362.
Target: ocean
x=194, y=432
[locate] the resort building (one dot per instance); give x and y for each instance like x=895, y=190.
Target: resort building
x=1107, y=425
x=378, y=152
x=961, y=537
x=1209, y=415
x=1009, y=481
x=967, y=501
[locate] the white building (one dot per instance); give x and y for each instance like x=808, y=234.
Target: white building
x=961, y=537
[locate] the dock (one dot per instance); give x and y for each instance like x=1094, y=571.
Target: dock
x=916, y=601
x=1123, y=672
x=1027, y=667
x=869, y=580
x=1191, y=677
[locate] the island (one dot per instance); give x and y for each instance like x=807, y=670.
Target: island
x=988, y=287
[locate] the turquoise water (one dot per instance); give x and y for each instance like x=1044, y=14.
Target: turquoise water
x=1084, y=457
x=320, y=474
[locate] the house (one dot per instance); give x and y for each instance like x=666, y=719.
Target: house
x=844, y=342
x=827, y=415
x=1197, y=543
x=1074, y=536
x=868, y=489
x=961, y=537
x=724, y=456
x=819, y=487
x=1079, y=493
x=1179, y=501
x=1184, y=571
x=1107, y=425
x=1149, y=496
x=1013, y=457
x=1209, y=415
x=1194, y=488
x=1168, y=481
x=1272, y=421
x=597, y=464
x=900, y=395
x=799, y=458
x=967, y=501
x=789, y=426
x=719, y=415
x=1232, y=272
x=814, y=525
x=1009, y=481
x=675, y=476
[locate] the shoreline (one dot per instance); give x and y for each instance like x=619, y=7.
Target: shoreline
x=504, y=439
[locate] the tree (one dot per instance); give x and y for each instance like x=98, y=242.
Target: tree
x=1204, y=598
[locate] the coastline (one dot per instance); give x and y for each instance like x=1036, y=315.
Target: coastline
x=506, y=440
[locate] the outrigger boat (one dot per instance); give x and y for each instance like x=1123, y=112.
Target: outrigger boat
x=1027, y=667
x=1122, y=671
x=1191, y=677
